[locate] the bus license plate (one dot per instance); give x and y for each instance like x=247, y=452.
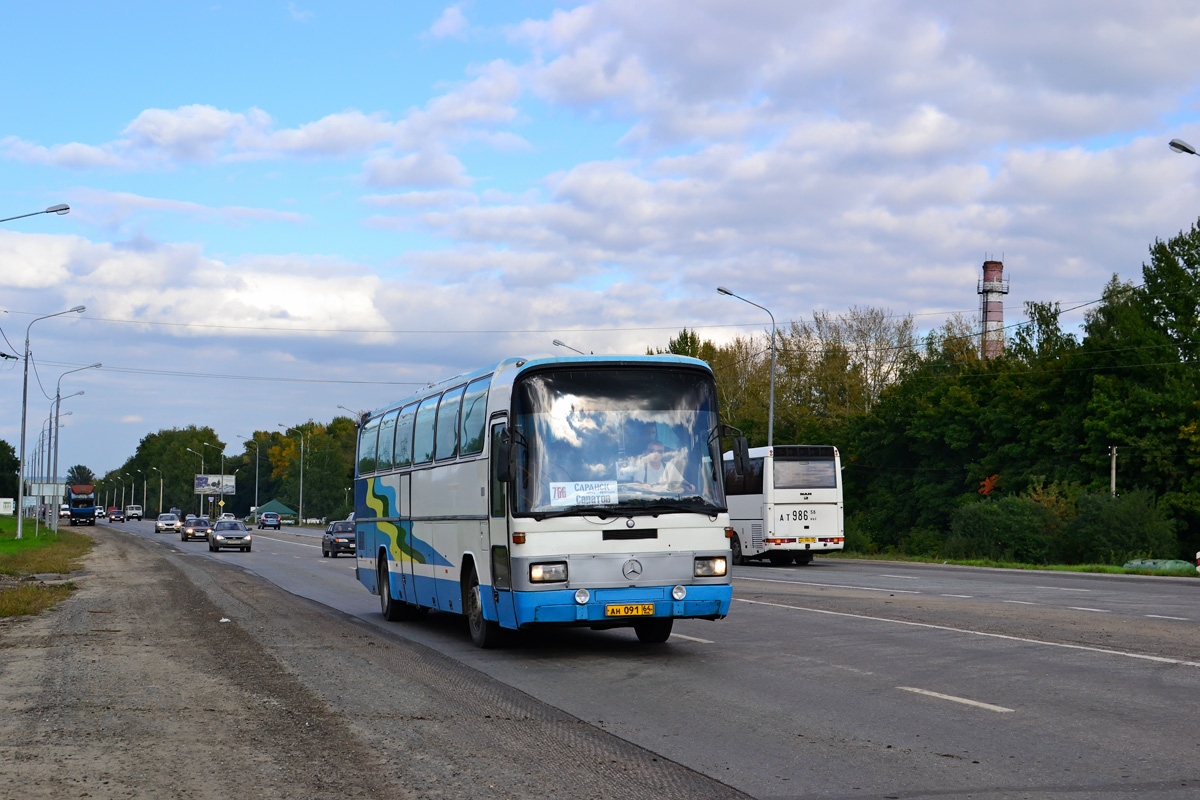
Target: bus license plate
x=810, y=539
x=630, y=610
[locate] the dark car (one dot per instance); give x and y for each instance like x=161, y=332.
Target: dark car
x=195, y=528
x=229, y=533
x=116, y=515
x=269, y=519
x=338, y=539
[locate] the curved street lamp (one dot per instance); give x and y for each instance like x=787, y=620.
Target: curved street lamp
x=771, y=411
x=24, y=409
x=160, y=488
x=1180, y=146
x=60, y=209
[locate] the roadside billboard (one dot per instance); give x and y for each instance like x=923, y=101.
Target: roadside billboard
x=216, y=484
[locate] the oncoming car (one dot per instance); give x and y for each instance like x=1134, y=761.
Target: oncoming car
x=229, y=533
x=195, y=528
x=269, y=519
x=338, y=539
x=116, y=515
x=167, y=522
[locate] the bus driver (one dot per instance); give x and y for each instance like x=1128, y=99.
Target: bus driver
x=652, y=470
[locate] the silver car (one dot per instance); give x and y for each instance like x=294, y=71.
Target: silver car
x=229, y=533
x=167, y=522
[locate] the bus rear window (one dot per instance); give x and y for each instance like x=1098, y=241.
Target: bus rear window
x=808, y=474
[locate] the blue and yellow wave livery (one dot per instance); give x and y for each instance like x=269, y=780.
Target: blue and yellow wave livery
x=401, y=544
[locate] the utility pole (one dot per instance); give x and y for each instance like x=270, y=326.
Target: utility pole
x=1113, y=474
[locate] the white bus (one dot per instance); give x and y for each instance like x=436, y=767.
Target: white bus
x=788, y=505
x=580, y=491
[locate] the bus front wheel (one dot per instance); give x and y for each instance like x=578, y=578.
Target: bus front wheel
x=485, y=633
x=654, y=631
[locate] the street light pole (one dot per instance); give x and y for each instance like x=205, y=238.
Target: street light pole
x=560, y=343
x=25, y=404
x=58, y=398
x=214, y=447
x=160, y=487
x=771, y=411
x=297, y=430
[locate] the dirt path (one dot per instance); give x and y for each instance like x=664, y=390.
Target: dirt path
x=167, y=676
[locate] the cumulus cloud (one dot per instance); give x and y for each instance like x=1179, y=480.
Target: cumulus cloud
x=451, y=24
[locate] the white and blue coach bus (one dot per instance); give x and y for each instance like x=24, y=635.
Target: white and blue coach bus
x=580, y=491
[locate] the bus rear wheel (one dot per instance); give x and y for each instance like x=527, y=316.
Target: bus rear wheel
x=804, y=558
x=388, y=605
x=654, y=631
x=485, y=633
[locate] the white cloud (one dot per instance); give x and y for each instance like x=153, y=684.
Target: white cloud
x=451, y=24
x=429, y=168
x=119, y=205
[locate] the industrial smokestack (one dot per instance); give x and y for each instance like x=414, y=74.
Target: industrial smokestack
x=992, y=289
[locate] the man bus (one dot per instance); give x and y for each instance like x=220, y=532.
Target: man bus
x=787, y=506
x=517, y=496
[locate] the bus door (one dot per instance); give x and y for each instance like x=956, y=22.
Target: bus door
x=498, y=533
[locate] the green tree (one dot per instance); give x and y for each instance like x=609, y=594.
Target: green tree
x=9, y=466
x=79, y=474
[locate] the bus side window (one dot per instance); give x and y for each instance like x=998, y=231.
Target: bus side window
x=423, y=431
x=754, y=481
x=366, y=447
x=474, y=416
x=447, y=423
x=735, y=483
x=404, y=436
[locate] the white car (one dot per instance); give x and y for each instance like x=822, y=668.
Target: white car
x=228, y=515
x=167, y=522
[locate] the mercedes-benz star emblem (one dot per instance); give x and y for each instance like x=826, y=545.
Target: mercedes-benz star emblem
x=632, y=569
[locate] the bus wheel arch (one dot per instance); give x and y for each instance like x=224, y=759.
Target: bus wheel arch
x=735, y=547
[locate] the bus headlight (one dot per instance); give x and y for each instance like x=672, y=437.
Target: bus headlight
x=548, y=573
x=582, y=596
x=713, y=567
x=678, y=593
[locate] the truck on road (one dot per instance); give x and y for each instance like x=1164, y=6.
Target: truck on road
x=81, y=499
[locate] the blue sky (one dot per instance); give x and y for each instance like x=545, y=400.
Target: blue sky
x=369, y=196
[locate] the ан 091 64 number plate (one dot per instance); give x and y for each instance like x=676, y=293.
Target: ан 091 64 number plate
x=630, y=610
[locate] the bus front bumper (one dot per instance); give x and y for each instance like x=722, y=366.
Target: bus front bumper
x=618, y=606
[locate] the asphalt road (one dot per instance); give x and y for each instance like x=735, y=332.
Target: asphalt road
x=859, y=679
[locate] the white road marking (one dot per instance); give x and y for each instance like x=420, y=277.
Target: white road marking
x=963, y=596
x=1062, y=589
x=1019, y=602
x=953, y=699
x=903, y=577
x=1156, y=659
x=1159, y=616
x=690, y=638
x=828, y=585
x=1097, y=610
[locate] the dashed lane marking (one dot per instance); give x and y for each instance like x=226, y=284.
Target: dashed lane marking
x=953, y=699
x=1085, y=648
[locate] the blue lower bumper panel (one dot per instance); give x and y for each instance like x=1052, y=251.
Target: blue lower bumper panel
x=559, y=606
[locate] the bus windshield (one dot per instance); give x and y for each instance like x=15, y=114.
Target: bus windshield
x=611, y=440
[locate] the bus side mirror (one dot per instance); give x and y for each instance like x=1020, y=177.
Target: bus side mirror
x=502, y=458
x=741, y=455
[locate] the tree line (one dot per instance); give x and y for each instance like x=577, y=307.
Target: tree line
x=948, y=454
